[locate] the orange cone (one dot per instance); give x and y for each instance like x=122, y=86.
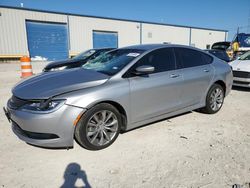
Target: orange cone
x=26, y=67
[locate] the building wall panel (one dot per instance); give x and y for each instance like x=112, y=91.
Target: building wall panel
x=152, y=33
x=200, y=38
x=81, y=32
x=13, y=38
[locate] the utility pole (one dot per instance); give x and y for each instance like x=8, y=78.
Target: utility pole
x=248, y=26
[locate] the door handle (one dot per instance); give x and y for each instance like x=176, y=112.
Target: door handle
x=174, y=75
x=205, y=70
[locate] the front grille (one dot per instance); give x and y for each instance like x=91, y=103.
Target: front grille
x=243, y=83
x=15, y=103
x=241, y=74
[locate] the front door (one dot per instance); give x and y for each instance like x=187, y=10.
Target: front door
x=159, y=92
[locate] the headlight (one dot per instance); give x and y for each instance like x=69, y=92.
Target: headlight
x=58, y=68
x=45, y=106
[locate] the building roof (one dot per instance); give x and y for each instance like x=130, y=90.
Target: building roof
x=101, y=17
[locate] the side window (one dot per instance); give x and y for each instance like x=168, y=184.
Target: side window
x=191, y=58
x=161, y=59
x=97, y=54
x=206, y=58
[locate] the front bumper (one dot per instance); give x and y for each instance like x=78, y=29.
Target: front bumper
x=51, y=130
x=242, y=82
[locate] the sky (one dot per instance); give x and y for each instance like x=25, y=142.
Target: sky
x=217, y=14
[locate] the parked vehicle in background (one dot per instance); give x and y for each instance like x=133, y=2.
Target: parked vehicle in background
x=240, y=44
x=117, y=91
x=221, y=46
x=220, y=54
x=225, y=47
x=241, y=70
x=76, y=61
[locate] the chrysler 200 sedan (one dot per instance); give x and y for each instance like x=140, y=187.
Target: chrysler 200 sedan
x=118, y=91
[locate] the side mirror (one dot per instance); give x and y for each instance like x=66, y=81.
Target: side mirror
x=144, y=69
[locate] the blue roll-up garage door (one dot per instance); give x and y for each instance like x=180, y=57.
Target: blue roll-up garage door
x=105, y=39
x=47, y=40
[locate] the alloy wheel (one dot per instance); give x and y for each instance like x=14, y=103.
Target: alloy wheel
x=216, y=99
x=102, y=127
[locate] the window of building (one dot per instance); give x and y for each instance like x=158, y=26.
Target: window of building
x=149, y=35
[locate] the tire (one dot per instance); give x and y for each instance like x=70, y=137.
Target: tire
x=214, y=99
x=99, y=127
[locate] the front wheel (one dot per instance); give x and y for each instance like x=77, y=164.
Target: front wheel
x=214, y=99
x=99, y=127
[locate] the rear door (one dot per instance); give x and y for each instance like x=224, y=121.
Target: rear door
x=197, y=74
x=156, y=93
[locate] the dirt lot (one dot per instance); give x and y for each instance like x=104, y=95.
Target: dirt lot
x=191, y=150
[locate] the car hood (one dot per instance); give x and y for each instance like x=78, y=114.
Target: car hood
x=60, y=63
x=46, y=85
x=241, y=65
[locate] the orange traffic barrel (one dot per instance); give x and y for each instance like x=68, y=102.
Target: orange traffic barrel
x=26, y=67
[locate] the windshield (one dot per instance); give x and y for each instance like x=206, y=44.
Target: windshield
x=112, y=62
x=245, y=56
x=85, y=54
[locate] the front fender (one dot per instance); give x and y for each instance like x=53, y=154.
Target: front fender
x=114, y=91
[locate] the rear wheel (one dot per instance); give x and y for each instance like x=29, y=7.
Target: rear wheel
x=214, y=99
x=99, y=127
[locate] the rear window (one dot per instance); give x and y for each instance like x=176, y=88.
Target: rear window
x=220, y=46
x=191, y=58
x=220, y=54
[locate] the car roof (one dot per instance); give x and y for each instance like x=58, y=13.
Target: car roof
x=147, y=47
x=102, y=48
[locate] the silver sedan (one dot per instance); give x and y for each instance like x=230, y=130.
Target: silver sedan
x=118, y=91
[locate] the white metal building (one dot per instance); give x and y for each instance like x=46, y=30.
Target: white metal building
x=56, y=35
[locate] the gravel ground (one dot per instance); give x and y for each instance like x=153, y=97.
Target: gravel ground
x=190, y=150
